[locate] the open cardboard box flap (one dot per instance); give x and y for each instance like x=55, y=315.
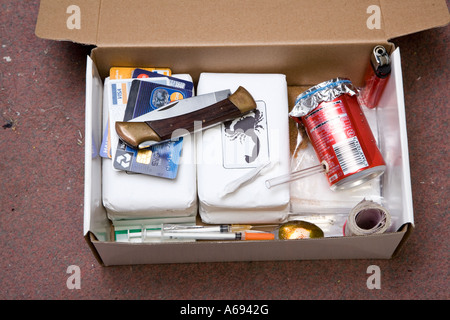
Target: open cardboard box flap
x=157, y=23
x=310, y=39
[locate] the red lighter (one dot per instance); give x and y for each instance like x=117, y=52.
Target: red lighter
x=376, y=77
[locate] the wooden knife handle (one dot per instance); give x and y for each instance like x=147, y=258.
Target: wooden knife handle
x=234, y=106
x=134, y=133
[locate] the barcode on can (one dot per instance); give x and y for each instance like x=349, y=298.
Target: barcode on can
x=350, y=155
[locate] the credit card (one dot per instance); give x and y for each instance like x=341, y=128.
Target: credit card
x=120, y=88
x=127, y=72
x=161, y=159
x=105, y=148
x=148, y=96
x=118, y=91
x=173, y=82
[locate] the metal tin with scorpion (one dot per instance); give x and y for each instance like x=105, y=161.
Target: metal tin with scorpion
x=339, y=133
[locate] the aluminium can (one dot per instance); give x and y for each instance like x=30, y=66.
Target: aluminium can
x=339, y=133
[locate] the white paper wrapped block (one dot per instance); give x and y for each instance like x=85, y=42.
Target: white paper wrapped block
x=138, y=196
x=231, y=153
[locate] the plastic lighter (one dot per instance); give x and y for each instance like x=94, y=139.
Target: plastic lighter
x=376, y=77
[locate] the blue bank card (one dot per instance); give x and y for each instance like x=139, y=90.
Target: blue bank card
x=171, y=81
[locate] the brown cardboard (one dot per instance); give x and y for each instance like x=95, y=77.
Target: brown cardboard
x=308, y=38
x=309, y=41
x=234, y=22
x=409, y=16
x=53, y=17
x=302, y=65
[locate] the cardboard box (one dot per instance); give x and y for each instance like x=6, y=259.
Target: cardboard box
x=308, y=41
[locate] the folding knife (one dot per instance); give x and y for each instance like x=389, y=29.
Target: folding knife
x=160, y=124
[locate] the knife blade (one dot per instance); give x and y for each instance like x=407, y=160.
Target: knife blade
x=179, y=107
x=155, y=126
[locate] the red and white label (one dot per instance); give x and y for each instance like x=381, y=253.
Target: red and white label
x=334, y=138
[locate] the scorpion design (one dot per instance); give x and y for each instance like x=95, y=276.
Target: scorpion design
x=246, y=126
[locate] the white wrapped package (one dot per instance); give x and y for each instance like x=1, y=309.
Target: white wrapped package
x=138, y=196
x=235, y=159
